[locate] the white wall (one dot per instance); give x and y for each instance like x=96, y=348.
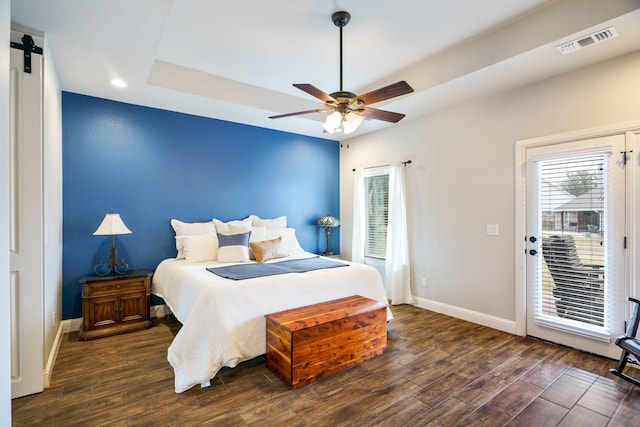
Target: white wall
x=52, y=153
x=462, y=177
x=5, y=312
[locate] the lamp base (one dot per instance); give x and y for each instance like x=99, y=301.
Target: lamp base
x=113, y=267
x=328, y=251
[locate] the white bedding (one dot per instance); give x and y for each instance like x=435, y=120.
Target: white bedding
x=223, y=320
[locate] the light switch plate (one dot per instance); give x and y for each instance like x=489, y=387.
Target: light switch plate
x=493, y=230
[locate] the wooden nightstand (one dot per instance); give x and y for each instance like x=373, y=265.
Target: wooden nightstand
x=115, y=304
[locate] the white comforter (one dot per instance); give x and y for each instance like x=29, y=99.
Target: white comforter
x=223, y=320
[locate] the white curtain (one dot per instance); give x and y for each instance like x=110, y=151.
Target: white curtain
x=397, y=267
x=359, y=218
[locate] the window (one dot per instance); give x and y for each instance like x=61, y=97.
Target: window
x=574, y=248
x=377, y=214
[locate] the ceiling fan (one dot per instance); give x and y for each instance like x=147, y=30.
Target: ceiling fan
x=349, y=109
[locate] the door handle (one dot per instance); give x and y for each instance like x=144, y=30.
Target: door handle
x=533, y=252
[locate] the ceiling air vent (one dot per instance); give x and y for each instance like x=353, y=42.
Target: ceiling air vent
x=589, y=40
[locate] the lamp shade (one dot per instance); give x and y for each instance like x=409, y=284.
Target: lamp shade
x=351, y=122
x=328, y=221
x=111, y=224
x=332, y=122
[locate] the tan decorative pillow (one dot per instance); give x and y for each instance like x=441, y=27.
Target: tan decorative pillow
x=268, y=249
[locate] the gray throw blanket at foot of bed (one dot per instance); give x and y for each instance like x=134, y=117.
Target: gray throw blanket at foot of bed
x=253, y=270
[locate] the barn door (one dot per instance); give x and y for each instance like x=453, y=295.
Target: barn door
x=26, y=225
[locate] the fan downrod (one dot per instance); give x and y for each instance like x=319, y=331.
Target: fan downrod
x=341, y=18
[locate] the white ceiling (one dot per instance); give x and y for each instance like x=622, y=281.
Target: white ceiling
x=237, y=60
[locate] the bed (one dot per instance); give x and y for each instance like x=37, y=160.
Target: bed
x=223, y=320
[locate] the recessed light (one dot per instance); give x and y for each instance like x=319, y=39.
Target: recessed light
x=118, y=83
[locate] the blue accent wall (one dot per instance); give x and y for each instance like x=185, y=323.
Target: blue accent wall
x=151, y=165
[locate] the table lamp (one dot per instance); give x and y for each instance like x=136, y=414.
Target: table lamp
x=328, y=223
x=111, y=225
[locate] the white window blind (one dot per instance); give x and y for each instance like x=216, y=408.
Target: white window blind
x=572, y=200
x=377, y=202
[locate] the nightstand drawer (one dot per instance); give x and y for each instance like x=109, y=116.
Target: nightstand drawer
x=108, y=288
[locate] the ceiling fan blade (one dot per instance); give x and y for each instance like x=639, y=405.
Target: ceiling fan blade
x=387, y=116
x=314, y=91
x=387, y=92
x=320, y=110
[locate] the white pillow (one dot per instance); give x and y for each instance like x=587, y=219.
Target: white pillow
x=232, y=227
x=289, y=240
x=201, y=247
x=279, y=222
x=189, y=229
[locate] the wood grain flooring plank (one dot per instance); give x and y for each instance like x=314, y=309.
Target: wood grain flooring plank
x=441, y=389
x=544, y=374
x=448, y=413
x=514, y=368
x=399, y=414
x=540, y=413
x=485, y=416
x=583, y=417
x=482, y=390
x=626, y=415
x=567, y=390
x=514, y=398
x=603, y=396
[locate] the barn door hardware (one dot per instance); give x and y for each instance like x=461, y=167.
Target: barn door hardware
x=28, y=46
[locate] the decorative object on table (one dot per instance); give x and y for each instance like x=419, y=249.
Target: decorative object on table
x=111, y=225
x=328, y=223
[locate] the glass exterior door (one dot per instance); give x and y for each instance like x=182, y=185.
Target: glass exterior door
x=575, y=243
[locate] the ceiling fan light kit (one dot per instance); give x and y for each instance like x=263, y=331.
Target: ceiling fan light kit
x=346, y=123
x=348, y=109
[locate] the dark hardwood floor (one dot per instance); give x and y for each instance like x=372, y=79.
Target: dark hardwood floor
x=436, y=370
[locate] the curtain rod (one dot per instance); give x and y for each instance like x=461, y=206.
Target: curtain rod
x=381, y=166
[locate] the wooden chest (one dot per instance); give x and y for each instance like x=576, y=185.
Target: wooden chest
x=312, y=342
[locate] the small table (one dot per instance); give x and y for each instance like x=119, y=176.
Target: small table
x=312, y=342
x=115, y=304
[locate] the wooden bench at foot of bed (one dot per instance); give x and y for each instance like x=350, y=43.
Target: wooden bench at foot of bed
x=312, y=342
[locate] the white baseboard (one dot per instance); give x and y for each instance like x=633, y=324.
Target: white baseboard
x=72, y=325
x=483, y=319
x=51, y=360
